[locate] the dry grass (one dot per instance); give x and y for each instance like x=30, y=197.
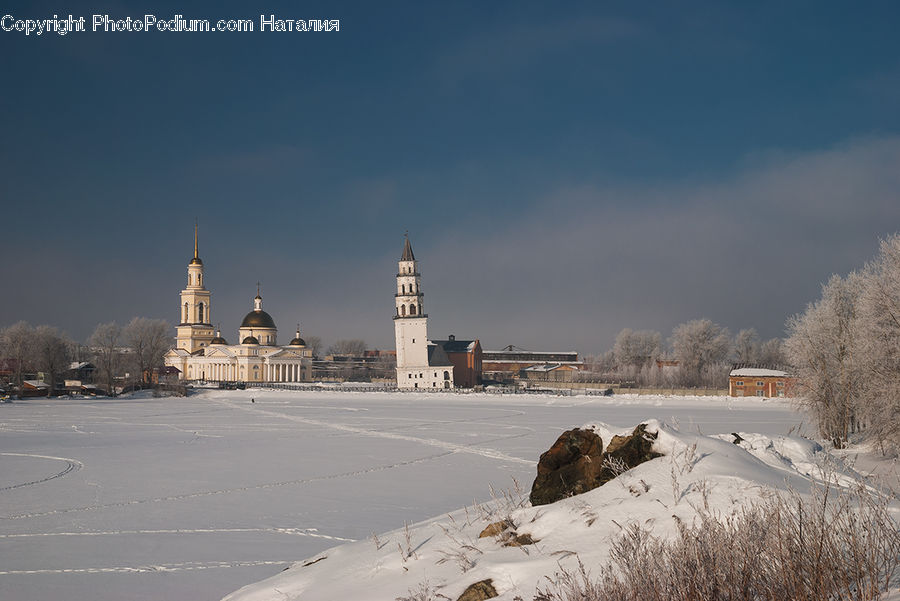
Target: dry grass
x=838, y=544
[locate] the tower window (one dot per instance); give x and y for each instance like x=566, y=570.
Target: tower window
x=200, y=312
x=412, y=309
x=402, y=310
x=185, y=320
x=402, y=288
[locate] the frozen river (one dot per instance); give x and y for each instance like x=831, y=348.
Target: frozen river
x=192, y=498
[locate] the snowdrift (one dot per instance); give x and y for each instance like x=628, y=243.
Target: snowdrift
x=445, y=555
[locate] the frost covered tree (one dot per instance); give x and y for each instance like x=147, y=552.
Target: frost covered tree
x=823, y=347
x=746, y=346
x=633, y=350
x=105, y=344
x=149, y=340
x=879, y=343
x=701, y=348
x=771, y=352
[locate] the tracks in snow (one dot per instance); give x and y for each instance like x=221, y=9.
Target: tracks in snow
x=71, y=466
x=433, y=442
x=194, y=495
x=307, y=532
x=168, y=567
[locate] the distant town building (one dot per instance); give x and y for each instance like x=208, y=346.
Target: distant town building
x=760, y=381
x=549, y=372
x=372, y=365
x=507, y=364
x=201, y=353
x=466, y=358
x=420, y=363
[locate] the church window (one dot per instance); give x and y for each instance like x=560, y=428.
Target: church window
x=446, y=375
x=402, y=288
x=200, y=313
x=412, y=309
x=402, y=310
x=185, y=320
x=199, y=279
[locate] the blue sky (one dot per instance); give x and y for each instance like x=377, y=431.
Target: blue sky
x=564, y=171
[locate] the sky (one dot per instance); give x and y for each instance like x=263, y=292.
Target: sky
x=563, y=171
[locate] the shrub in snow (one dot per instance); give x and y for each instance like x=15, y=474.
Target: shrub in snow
x=832, y=545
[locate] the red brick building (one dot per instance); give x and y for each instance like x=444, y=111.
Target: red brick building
x=466, y=358
x=761, y=382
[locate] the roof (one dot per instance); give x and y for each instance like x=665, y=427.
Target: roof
x=80, y=365
x=258, y=319
x=437, y=357
x=758, y=372
x=545, y=367
x=407, y=252
x=36, y=383
x=457, y=346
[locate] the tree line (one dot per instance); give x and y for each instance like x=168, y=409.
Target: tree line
x=135, y=349
x=701, y=355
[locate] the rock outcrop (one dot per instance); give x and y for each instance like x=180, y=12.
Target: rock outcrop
x=570, y=467
x=577, y=463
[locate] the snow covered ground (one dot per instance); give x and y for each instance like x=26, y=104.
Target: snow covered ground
x=173, y=498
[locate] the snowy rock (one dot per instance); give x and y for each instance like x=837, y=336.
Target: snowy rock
x=577, y=463
x=570, y=467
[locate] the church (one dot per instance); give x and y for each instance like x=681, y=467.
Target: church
x=201, y=353
x=421, y=364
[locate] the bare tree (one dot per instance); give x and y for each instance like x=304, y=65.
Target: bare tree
x=17, y=346
x=701, y=348
x=51, y=353
x=314, y=344
x=355, y=348
x=149, y=340
x=105, y=342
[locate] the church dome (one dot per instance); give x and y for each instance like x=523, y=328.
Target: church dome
x=250, y=340
x=258, y=319
x=297, y=342
x=196, y=261
x=218, y=340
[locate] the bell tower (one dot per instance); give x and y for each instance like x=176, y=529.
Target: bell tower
x=410, y=320
x=194, y=330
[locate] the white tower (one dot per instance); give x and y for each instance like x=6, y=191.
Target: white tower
x=418, y=366
x=195, y=329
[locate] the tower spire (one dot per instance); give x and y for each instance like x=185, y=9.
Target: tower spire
x=407, y=250
x=196, y=245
